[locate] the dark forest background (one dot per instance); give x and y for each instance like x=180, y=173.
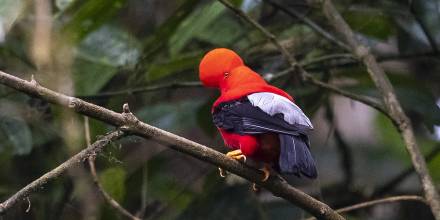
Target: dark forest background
x=143, y=52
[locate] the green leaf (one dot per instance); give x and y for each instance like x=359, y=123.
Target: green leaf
x=194, y=24
x=111, y=46
x=370, y=22
x=390, y=137
x=413, y=94
x=175, y=117
x=113, y=182
x=429, y=14
x=434, y=168
x=90, y=77
x=161, y=36
x=99, y=55
x=174, y=65
x=223, y=32
x=91, y=15
x=18, y=134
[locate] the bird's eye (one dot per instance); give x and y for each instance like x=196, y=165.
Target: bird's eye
x=226, y=74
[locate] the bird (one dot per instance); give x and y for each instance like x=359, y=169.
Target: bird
x=257, y=120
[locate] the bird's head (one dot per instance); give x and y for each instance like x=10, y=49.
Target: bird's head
x=216, y=65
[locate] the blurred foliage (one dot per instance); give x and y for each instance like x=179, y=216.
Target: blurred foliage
x=99, y=46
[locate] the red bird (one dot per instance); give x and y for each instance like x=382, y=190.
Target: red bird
x=255, y=119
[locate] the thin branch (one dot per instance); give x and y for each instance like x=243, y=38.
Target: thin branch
x=315, y=27
x=112, y=202
x=425, y=29
x=346, y=156
x=130, y=124
x=286, y=54
x=173, y=85
x=297, y=68
x=378, y=202
x=73, y=161
x=106, y=196
x=393, y=107
x=391, y=184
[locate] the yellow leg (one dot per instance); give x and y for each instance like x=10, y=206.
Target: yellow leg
x=235, y=154
x=266, y=172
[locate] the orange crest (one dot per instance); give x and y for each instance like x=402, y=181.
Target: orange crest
x=215, y=64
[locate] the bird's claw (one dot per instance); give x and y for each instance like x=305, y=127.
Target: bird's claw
x=235, y=154
x=222, y=172
x=266, y=173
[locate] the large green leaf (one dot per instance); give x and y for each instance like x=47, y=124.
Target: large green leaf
x=161, y=36
x=174, y=117
x=99, y=55
x=197, y=22
x=91, y=15
x=113, y=182
x=412, y=93
x=174, y=65
x=429, y=16
x=223, y=32
x=374, y=23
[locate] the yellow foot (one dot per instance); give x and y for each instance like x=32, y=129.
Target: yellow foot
x=266, y=172
x=235, y=154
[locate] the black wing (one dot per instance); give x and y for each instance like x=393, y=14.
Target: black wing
x=240, y=116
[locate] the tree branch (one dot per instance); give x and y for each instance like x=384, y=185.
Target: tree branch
x=112, y=202
x=172, y=85
x=297, y=68
x=425, y=29
x=130, y=124
x=391, y=184
x=75, y=160
x=315, y=27
x=104, y=194
x=379, y=201
x=392, y=105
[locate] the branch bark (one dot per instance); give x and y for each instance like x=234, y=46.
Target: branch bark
x=379, y=201
x=297, y=68
x=75, y=160
x=392, y=105
x=399, y=178
x=112, y=202
x=131, y=125
x=315, y=27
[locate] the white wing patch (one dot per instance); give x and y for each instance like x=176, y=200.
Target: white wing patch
x=274, y=104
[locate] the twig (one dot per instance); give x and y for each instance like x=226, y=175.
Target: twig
x=379, y=201
x=315, y=27
x=75, y=160
x=425, y=29
x=297, y=68
x=112, y=202
x=173, y=85
x=129, y=123
x=393, y=107
x=346, y=160
x=106, y=196
x=391, y=184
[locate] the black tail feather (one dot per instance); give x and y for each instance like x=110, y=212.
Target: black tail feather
x=295, y=157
